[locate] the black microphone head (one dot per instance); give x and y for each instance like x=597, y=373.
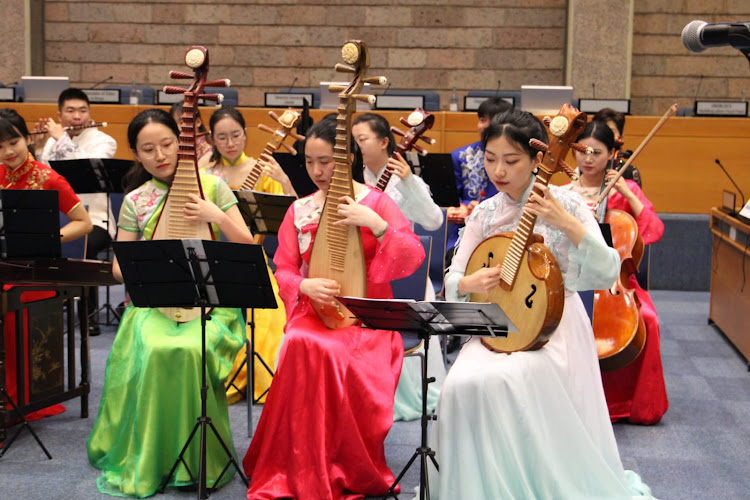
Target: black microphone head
x=691, y=36
x=717, y=161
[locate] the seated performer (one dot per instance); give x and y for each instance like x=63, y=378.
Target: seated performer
x=330, y=406
x=228, y=159
x=202, y=146
x=616, y=122
x=636, y=392
x=18, y=170
x=74, y=110
x=152, y=384
x=229, y=162
x=375, y=140
x=468, y=164
x=530, y=424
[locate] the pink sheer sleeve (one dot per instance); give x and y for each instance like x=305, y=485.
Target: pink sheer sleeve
x=400, y=253
x=288, y=262
x=649, y=224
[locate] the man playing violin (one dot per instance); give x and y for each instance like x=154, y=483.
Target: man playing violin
x=74, y=111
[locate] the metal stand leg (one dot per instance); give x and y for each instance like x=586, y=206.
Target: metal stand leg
x=423, y=451
x=24, y=425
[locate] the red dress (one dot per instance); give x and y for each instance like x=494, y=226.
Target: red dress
x=37, y=176
x=637, y=392
x=330, y=405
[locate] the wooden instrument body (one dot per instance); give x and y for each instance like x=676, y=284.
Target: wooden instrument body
x=337, y=251
x=172, y=223
x=534, y=304
x=619, y=330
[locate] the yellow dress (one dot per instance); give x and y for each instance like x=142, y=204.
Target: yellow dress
x=269, y=323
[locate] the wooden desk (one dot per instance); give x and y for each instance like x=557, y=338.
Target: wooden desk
x=730, y=279
x=678, y=169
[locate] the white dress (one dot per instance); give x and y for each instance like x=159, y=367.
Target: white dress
x=412, y=195
x=531, y=424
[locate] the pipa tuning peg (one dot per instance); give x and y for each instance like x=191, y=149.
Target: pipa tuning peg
x=289, y=148
x=547, y=120
x=224, y=82
x=273, y=115
x=169, y=89
x=212, y=97
x=296, y=136
x=376, y=80
x=179, y=75
x=569, y=170
x=365, y=98
x=428, y=140
x=537, y=144
x=266, y=128
x=398, y=131
x=344, y=68
x=337, y=88
x=581, y=148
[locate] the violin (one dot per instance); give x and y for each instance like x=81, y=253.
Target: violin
x=531, y=290
x=337, y=251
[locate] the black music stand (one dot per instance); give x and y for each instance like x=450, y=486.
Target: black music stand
x=196, y=273
x=263, y=213
x=427, y=319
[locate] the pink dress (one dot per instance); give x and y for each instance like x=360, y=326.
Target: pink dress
x=637, y=392
x=330, y=406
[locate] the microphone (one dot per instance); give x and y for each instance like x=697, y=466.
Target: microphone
x=291, y=86
x=99, y=83
x=387, y=87
x=698, y=88
x=732, y=180
x=593, y=90
x=497, y=90
x=697, y=36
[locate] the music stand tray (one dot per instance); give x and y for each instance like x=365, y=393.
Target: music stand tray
x=427, y=319
x=263, y=212
x=196, y=273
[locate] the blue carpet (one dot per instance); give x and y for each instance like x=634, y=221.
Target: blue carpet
x=698, y=451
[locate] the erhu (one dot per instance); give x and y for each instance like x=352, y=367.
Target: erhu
x=172, y=223
x=337, y=251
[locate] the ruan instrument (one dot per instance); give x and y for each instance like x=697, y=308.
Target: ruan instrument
x=420, y=122
x=619, y=329
x=287, y=121
x=337, y=251
x=73, y=128
x=172, y=223
x=531, y=290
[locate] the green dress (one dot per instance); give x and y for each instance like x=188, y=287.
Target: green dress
x=151, y=396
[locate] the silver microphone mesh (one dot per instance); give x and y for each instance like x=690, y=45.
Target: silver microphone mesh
x=691, y=36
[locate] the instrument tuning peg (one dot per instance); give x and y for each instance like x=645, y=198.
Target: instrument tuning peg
x=398, y=131
x=169, y=89
x=343, y=68
x=337, y=88
x=212, y=97
x=376, y=80
x=370, y=99
x=179, y=75
x=537, y=144
x=273, y=115
x=547, y=120
x=581, y=148
x=569, y=170
x=289, y=148
x=419, y=149
x=265, y=128
x=297, y=137
x=224, y=82
x=428, y=140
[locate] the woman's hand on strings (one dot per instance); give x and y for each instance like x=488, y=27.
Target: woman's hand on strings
x=397, y=165
x=552, y=212
x=320, y=289
x=355, y=214
x=198, y=209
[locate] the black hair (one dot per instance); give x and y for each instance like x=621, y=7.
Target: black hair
x=177, y=108
x=493, y=107
x=70, y=94
x=609, y=114
x=599, y=131
x=380, y=126
x=517, y=127
x=137, y=175
x=17, y=124
x=326, y=130
x=220, y=114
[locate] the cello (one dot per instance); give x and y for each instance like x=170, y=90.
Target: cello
x=337, y=251
x=171, y=223
x=531, y=291
x=619, y=329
